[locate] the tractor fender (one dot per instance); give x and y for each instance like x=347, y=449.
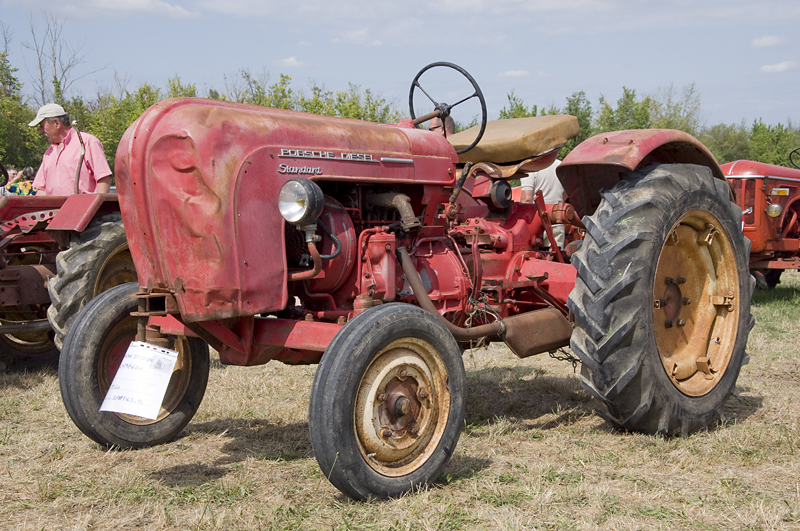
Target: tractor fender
x=601, y=161
x=78, y=210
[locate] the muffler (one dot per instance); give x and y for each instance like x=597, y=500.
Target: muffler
x=537, y=331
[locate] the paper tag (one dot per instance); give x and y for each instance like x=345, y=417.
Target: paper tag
x=141, y=381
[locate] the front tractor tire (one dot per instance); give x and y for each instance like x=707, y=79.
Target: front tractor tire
x=662, y=300
x=388, y=402
x=97, y=259
x=93, y=351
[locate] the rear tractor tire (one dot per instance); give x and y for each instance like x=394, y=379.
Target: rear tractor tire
x=93, y=351
x=388, y=402
x=662, y=300
x=97, y=259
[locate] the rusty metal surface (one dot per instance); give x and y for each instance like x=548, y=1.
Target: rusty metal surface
x=537, y=331
x=695, y=311
x=198, y=182
x=598, y=161
x=402, y=406
x=25, y=284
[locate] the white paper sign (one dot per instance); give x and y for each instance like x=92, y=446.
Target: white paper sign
x=141, y=381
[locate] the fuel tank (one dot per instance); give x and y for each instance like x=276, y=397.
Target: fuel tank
x=198, y=184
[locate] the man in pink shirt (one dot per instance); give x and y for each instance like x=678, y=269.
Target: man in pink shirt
x=56, y=175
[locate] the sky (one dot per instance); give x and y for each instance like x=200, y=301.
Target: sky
x=743, y=56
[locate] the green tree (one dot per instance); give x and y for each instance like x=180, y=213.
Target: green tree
x=20, y=145
x=772, y=144
x=670, y=111
x=727, y=142
x=111, y=117
x=281, y=95
x=517, y=108
x=630, y=113
x=351, y=103
x=579, y=107
x=176, y=89
x=320, y=101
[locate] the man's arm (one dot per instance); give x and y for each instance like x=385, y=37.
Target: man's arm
x=103, y=185
x=526, y=196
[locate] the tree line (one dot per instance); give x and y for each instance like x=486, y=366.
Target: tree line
x=109, y=113
x=668, y=109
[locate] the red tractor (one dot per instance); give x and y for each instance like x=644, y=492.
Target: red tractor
x=769, y=197
x=381, y=251
x=56, y=254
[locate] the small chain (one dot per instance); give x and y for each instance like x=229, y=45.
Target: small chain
x=563, y=355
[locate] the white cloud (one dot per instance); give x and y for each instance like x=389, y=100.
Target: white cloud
x=768, y=41
x=780, y=67
x=515, y=73
x=290, y=61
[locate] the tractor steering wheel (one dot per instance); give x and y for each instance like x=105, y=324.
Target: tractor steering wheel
x=793, y=156
x=442, y=110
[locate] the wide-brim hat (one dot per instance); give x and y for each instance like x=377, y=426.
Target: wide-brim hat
x=51, y=110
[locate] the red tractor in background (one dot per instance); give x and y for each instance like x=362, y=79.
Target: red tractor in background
x=769, y=197
x=382, y=251
x=56, y=254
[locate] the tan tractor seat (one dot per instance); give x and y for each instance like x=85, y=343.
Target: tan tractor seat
x=515, y=139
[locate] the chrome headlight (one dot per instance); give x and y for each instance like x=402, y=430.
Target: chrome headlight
x=774, y=210
x=300, y=201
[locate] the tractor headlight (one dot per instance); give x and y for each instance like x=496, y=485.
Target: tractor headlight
x=300, y=201
x=774, y=210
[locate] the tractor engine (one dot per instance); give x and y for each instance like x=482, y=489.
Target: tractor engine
x=203, y=212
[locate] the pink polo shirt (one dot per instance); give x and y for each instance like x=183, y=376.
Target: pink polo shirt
x=56, y=175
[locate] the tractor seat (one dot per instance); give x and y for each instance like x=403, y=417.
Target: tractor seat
x=515, y=139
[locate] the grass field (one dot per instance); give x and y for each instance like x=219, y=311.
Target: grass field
x=532, y=455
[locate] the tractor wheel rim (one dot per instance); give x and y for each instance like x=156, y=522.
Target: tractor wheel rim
x=696, y=306
x=113, y=351
x=116, y=269
x=402, y=407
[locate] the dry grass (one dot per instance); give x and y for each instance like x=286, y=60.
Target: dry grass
x=533, y=455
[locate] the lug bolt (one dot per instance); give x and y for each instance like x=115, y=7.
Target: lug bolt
x=413, y=430
x=668, y=324
x=687, y=301
x=680, y=280
x=681, y=322
x=367, y=275
x=386, y=433
x=669, y=280
x=381, y=397
x=423, y=393
x=403, y=374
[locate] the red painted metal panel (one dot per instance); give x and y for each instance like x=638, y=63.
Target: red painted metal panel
x=12, y=206
x=198, y=181
x=753, y=168
x=78, y=211
x=632, y=148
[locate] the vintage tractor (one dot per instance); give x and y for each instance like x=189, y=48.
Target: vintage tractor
x=381, y=251
x=56, y=254
x=769, y=197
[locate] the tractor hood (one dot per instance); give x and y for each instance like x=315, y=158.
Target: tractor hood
x=198, y=184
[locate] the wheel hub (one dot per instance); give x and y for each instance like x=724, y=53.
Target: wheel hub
x=695, y=312
x=402, y=407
